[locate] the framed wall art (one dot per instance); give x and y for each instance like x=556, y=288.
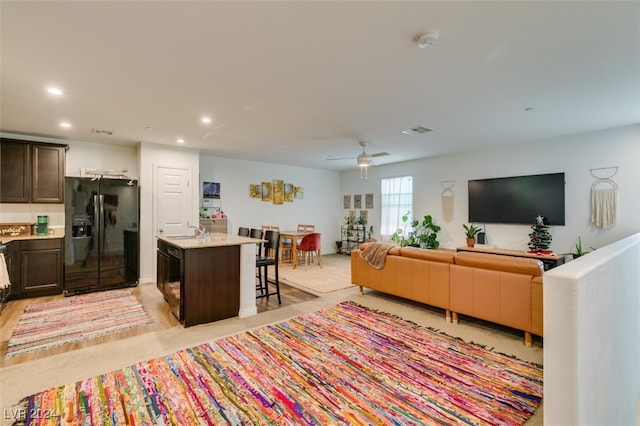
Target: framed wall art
x=267, y=191
x=288, y=192
x=368, y=201
x=278, y=191
x=346, y=203
x=357, y=201
x=255, y=190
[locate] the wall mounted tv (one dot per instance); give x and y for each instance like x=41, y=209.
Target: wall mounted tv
x=210, y=189
x=518, y=199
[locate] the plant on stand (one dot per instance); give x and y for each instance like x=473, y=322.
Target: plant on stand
x=370, y=233
x=423, y=234
x=361, y=221
x=470, y=231
x=350, y=221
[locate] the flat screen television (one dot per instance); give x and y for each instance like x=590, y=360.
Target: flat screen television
x=211, y=189
x=518, y=199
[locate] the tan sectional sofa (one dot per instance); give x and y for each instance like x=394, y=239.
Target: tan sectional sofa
x=505, y=290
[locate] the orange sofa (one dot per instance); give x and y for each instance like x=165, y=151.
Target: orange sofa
x=409, y=272
x=505, y=290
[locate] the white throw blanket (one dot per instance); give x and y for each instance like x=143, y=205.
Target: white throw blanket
x=4, y=273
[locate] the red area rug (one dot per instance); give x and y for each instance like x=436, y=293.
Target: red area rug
x=343, y=365
x=76, y=318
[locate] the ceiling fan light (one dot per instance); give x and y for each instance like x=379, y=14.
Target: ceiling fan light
x=364, y=161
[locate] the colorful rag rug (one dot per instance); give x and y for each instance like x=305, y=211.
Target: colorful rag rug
x=76, y=318
x=343, y=365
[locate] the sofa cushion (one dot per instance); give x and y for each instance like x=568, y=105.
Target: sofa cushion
x=497, y=262
x=445, y=256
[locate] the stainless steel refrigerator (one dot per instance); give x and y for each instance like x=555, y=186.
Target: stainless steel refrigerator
x=101, y=234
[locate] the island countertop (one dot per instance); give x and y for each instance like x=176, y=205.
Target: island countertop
x=214, y=240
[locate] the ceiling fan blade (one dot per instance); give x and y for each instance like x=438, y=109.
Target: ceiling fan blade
x=380, y=154
x=341, y=158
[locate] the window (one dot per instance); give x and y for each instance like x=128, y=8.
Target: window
x=396, y=200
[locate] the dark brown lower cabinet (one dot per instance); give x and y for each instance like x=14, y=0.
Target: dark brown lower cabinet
x=201, y=285
x=36, y=267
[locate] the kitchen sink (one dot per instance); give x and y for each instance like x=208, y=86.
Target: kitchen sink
x=182, y=237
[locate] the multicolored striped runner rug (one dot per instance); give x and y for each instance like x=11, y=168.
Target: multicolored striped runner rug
x=76, y=318
x=343, y=365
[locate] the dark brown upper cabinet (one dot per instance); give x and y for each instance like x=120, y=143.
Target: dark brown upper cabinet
x=31, y=172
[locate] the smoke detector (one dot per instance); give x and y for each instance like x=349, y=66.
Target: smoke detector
x=427, y=39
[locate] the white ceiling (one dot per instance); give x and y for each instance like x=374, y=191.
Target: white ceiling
x=298, y=82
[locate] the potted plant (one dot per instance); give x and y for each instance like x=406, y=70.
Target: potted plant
x=578, y=250
x=350, y=221
x=470, y=231
x=423, y=234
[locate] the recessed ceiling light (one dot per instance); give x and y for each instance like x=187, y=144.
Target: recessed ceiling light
x=54, y=90
x=65, y=124
x=205, y=120
x=180, y=141
x=417, y=130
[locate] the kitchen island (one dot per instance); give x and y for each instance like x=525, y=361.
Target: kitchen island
x=207, y=279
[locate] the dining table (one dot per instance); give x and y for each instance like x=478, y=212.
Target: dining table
x=294, y=236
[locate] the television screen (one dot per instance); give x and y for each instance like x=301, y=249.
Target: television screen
x=211, y=189
x=517, y=199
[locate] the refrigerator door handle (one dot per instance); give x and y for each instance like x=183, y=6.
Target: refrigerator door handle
x=97, y=231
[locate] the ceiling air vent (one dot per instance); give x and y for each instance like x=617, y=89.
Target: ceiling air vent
x=102, y=132
x=417, y=130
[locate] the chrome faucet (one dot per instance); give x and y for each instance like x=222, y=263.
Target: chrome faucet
x=201, y=230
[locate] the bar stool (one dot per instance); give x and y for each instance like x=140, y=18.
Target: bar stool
x=257, y=233
x=243, y=232
x=264, y=260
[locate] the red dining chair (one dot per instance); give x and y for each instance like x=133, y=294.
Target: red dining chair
x=310, y=244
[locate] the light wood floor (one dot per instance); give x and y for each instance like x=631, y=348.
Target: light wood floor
x=148, y=296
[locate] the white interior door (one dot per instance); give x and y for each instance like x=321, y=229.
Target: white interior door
x=173, y=199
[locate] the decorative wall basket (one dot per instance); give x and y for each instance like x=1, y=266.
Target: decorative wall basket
x=604, y=198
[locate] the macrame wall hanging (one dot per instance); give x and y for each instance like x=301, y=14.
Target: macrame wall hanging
x=447, y=196
x=604, y=198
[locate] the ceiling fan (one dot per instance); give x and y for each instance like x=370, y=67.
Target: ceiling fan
x=364, y=159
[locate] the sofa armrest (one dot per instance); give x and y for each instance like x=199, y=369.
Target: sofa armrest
x=537, y=313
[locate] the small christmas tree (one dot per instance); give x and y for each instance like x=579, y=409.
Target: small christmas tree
x=540, y=239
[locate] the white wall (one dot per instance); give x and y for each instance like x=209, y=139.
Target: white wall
x=574, y=155
x=319, y=205
x=91, y=155
x=151, y=157
x=592, y=338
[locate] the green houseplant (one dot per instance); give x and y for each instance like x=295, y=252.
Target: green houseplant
x=422, y=233
x=578, y=250
x=470, y=231
x=370, y=232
